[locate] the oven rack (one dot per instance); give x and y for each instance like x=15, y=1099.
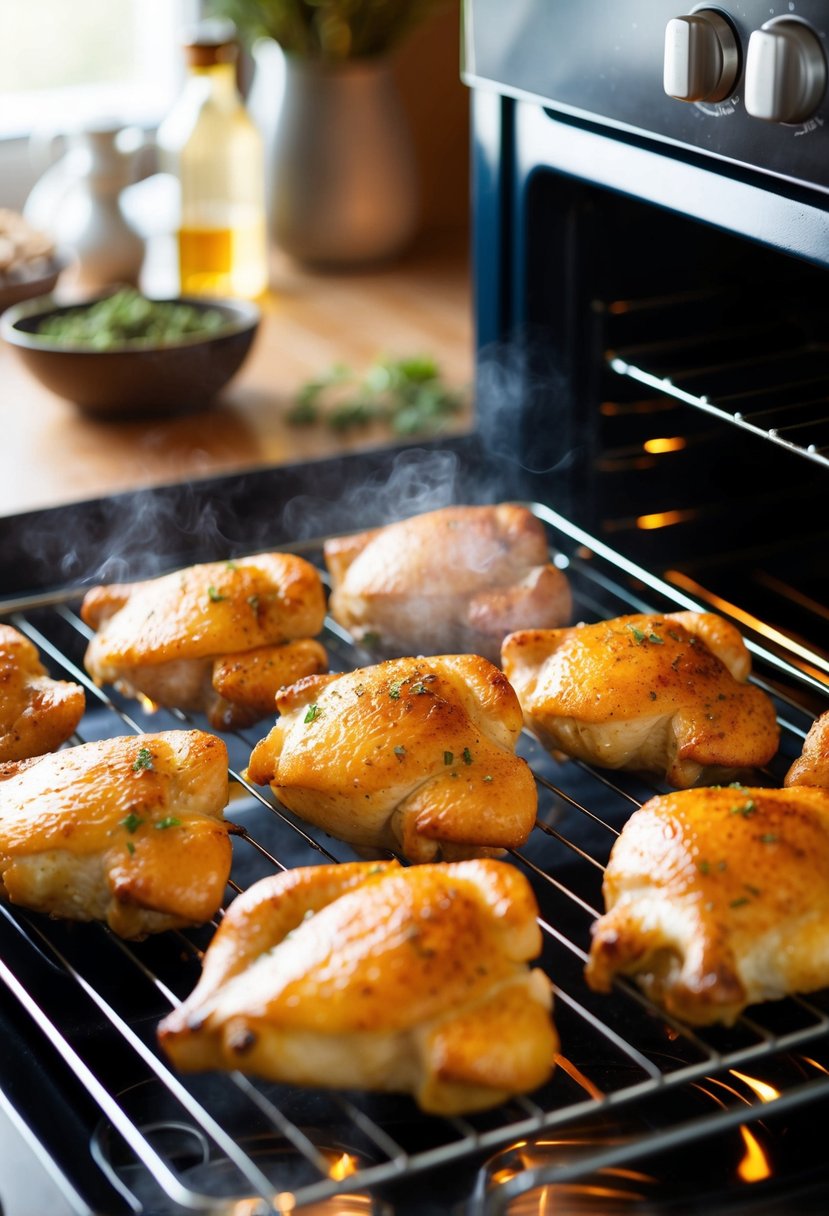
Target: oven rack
x=620, y=1051
x=782, y=396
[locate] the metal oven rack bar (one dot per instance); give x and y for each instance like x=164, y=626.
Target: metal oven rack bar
x=620, y=1052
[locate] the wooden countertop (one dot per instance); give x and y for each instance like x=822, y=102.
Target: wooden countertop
x=51, y=453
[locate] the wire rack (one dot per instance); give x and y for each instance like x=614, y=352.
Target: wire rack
x=155, y=1143
x=782, y=396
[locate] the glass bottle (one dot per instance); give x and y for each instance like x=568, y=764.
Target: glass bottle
x=209, y=142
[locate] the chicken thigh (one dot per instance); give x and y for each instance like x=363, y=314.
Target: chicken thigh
x=416, y=755
x=221, y=637
x=812, y=765
x=718, y=898
x=37, y=713
x=372, y=975
x=663, y=694
x=456, y=579
x=126, y=830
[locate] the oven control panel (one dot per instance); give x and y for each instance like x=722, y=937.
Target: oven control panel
x=744, y=81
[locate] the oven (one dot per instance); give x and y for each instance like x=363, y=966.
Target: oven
x=653, y=380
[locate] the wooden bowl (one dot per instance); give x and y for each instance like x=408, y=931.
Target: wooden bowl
x=132, y=380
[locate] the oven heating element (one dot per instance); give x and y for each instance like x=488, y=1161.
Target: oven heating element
x=151, y=1141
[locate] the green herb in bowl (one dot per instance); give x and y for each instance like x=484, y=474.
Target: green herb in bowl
x=128, y=318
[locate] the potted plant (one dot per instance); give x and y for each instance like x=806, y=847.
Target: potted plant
x=342, y=180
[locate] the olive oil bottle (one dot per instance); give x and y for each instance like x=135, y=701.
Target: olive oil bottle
x=210, y=144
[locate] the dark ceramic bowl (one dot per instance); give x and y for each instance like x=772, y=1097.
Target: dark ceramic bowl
x=133, y=381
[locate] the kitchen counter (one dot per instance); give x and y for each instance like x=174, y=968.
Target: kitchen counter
x=420, y=304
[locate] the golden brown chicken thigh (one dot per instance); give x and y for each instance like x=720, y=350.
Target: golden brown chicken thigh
x=37, y=713
x=663, y=694
x=126, y=830
x=812, y=765
x=412, y=754
x=453, y=580
x=220, y=637
x=372, y=975
x=718, y=898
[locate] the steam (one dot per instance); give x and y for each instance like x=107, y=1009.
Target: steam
x=416, y=481
x=523, y=426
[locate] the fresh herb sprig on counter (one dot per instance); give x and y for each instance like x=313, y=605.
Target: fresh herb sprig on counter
x=409, y=395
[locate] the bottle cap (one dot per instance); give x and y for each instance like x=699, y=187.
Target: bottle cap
x=210, y=42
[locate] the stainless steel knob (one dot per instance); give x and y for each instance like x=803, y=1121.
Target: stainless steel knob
x=702, y=57
x=785, y=71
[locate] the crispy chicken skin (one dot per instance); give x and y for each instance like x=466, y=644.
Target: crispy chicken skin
x=221, y=637
x=37, y=713
x=375, y=976
x=662, y=694
x=126, y=830
x=454, y=580
x=812, y=765
x=415, y=755
x=718, y=898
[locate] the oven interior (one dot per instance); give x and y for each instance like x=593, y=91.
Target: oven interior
x=674, y=389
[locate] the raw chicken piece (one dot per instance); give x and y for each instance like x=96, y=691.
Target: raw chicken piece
x=125, y=830
x=718, y=898
x=663, y=694
x=37, y=713
x=372, y=975
x=220, y=637
x=416, y=755
x=812, y=765
x=457, y=579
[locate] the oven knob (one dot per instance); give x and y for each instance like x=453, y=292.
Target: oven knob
x=702, y=57
x=785, y=71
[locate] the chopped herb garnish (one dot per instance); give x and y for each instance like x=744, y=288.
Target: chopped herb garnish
x=253, y=600
x=704, y=867
x=467, y=756
x=448, y=757
x=755, y=891
x=169, y=821
x=676, y=636
x=722, y=865
x=419, y=688
x=360, y=689
x=131, y=822
x=656, y=639
x=376, y=870
x=738, y=903
x=487, y=777
x=312, y=713
x=400, y=752
x=746, y=809
x=231, y=565
x=215, y=596
x=735, y=785
x=638, y=635
x=652, y=695
x=394, y=690
x=769, y=838
x=130, y=848
x=143, y=760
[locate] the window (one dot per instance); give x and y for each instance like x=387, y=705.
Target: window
x=66, y=61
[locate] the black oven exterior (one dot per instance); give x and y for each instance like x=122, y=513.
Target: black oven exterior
x=650, y=294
